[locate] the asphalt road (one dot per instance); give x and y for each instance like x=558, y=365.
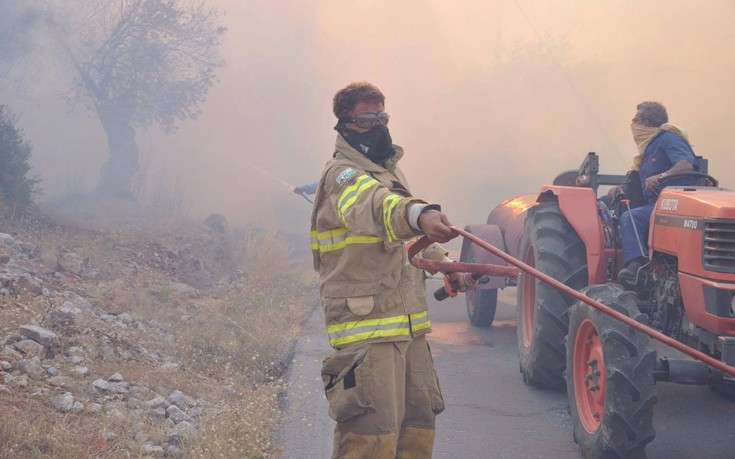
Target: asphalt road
x=490, y=412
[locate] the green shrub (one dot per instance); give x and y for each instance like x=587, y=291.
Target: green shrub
x=15, y=188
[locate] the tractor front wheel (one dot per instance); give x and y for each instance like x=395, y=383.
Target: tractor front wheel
x=551, y=245
x=609, y=377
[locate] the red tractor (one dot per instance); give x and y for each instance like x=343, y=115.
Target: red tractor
x=685, y=291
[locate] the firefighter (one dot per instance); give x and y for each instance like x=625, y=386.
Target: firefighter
x=380, y=380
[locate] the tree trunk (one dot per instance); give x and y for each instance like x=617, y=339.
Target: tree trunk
x=117, y=173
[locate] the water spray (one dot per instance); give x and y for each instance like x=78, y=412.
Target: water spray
x=280, y=181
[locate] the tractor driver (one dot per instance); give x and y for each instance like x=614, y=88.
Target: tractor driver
x=663, y=149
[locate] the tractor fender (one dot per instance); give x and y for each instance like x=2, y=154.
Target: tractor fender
x=510, y=216
x=579, y=207
x=472, y=253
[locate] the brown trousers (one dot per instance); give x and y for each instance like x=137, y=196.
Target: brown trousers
x=385, y=398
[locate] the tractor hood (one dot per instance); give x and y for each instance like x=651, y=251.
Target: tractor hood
x=698, y=202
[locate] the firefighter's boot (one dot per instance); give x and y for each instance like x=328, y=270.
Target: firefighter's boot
x=415, y=443
x=349, y=445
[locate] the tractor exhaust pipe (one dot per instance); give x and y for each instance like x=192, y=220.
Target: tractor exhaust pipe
x=691, y=372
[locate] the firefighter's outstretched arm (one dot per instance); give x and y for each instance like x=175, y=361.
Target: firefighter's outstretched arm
x=436, y=226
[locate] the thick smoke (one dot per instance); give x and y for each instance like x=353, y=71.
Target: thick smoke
x=489, y=99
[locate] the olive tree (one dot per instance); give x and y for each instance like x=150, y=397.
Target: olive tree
x=134, y=64
x=140, y=63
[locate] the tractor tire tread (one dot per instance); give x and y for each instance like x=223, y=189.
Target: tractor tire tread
x=630, y=394
x=560, y=253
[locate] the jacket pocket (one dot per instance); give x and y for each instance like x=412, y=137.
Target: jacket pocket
x=361, y=305
x=346, y=384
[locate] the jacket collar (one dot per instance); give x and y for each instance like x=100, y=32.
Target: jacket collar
x=345, y=150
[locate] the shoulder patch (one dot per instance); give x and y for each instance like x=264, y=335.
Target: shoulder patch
x=345, y=175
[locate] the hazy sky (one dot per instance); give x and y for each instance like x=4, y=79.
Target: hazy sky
x=489, y=99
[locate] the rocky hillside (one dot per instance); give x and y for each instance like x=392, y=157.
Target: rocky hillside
x=127, y=338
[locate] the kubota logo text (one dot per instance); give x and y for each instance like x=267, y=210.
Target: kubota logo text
x=669, y=204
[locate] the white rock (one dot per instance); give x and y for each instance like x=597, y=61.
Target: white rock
x=70, y=262
x=178, y=398
x=64, y=402
x=158, y=402
x=81, y=371
x=67, y=314
x=119, y=387
x=10, y=354
x=30, y=348
x=183, y=431
x=32, y=368
x=75, y=352
x=15, y=381
x=158, y=413
x=175, y=414
x=40, y=335
x=101, y=384
x=94, y=408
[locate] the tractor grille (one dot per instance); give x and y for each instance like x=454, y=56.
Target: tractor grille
x=718, y=253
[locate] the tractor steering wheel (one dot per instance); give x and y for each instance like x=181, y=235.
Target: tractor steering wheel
x=711, y=181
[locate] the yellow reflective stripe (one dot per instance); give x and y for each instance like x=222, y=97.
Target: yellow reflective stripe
x=419, y=315
x=350, y=194
x=359, y=330
x=368, y=323
x=420, y=321
x=348, y=241
x=338, y=239
x=389, y=203
x=368, y=335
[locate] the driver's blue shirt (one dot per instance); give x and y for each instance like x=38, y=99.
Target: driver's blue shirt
x=662, y=152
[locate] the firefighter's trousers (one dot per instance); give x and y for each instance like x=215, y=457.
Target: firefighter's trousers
x=385, y=398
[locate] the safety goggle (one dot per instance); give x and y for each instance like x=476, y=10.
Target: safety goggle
x=370, y=120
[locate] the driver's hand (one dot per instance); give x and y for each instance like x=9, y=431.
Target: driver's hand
x=652, y=183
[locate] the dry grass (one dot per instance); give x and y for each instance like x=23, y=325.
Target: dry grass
x=28, y=429
x=231, y=344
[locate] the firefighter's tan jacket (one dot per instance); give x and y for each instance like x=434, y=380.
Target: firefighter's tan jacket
x=368, y=289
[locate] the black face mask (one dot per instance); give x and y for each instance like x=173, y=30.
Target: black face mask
x=375, y=144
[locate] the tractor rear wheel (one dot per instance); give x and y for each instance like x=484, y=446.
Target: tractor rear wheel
x=551, y=245
x=481, y=306
x=609, y=375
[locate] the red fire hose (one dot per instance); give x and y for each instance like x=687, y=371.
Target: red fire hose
x=473, y=267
